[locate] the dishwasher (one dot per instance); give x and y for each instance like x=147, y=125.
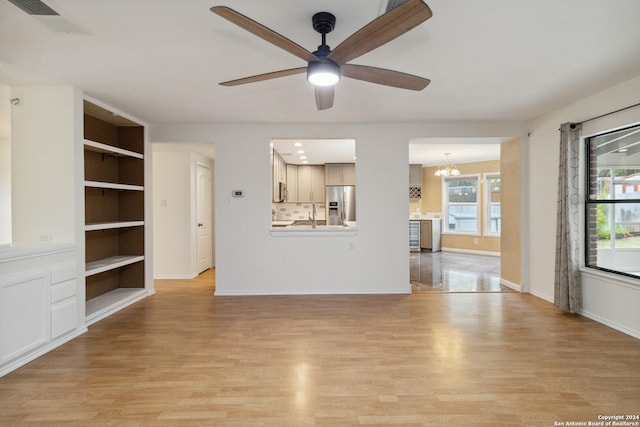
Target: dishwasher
x=414, y=236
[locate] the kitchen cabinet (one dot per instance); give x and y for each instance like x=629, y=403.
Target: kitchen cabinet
x=279, y=174
x=415, y=182
x=292, y=184
x=340, y=174
x=430, y=234
x=311, y=183
x=415, y=175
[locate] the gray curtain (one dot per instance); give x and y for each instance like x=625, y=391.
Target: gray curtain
x=567, y=282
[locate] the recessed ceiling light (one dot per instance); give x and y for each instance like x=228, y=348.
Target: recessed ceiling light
x=298, y=144
x=300, y=151
x=305, y=162
x=303, y=157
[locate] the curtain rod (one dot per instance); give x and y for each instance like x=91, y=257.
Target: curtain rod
x=573, y=125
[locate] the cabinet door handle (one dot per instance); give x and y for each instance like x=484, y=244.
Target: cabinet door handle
x=200, y=224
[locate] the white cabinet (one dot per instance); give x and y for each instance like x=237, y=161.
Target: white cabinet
x=415, y=182
x=38, y=306
x=24, y=313
x=64, y=303
x=292, y=184
x=430, y=234
x=311, y=183
x=279, y=174
x=415, y=175
x=340, y=174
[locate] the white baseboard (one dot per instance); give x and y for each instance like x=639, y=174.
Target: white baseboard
x=175, y=277
x=542, y=296
x=510, y=285
x=470, y=251
x=219, y=293
x=613, y=325
x=595, y=318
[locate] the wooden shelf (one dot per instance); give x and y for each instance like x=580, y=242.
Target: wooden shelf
x=113, y=186
x=114, y=198
x=102, y=306
x=108, y=149
x=111, y=263
x=111, y=225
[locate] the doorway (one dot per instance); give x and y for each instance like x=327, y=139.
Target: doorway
x=204, y=239
x=469, y=258
x=183, y=206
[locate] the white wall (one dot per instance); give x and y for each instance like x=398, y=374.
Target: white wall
x=171, y=223
x=5, y=166
x=45, y=130
x=5, y=191
x=604, y=299
x=250, y=260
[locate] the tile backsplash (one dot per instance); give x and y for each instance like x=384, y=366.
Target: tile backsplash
x=295, y=211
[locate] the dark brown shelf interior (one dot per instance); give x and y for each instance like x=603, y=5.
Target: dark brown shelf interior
x=113, y=205
x=126, y=137
x=130, y=276
x=106, y=167
x=105, y=205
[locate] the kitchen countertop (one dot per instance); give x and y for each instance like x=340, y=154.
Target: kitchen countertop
x=281, y=223
x=320, y=230
x=423, y=217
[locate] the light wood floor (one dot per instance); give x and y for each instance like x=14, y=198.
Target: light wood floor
x=183, y=357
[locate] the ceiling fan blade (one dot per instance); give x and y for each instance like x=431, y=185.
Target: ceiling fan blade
x=382, y=30
x=265, y=76
x=324, y=97
x=384, y=77
x=263, y=32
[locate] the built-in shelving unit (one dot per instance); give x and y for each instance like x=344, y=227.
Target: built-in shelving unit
x=114, y=191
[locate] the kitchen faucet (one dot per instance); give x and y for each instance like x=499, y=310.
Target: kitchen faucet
x=312, y=215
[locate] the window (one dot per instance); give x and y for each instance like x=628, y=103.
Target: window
x=492, y=226
x=461, y=204
x=612, y=205
x=313, y=179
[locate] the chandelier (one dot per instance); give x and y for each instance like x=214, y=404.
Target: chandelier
x=447, y=169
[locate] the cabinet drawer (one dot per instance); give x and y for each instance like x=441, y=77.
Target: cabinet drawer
x=64, y=318
x=63, y=290
x=63, y=272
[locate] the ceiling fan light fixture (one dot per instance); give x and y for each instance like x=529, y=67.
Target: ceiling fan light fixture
x=323, y=73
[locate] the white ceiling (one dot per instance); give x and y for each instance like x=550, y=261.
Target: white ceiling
x=315, y=151
x=161, y=60
x=431, y=151
x=424, y=151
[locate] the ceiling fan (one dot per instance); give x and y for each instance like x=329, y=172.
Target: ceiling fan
x=325, y=66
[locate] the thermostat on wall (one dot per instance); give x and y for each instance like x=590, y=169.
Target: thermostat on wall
x=237, y=193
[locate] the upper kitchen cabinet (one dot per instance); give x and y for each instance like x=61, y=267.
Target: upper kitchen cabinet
x=415, y=182
x=311, y=183
x=340, y=174
x=292, y=184
x=279, y=177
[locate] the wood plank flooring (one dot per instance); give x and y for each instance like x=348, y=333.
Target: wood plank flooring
x=183, y=357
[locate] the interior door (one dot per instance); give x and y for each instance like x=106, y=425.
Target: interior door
x=203, y=216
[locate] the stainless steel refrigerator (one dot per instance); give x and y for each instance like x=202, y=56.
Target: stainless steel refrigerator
x=341, y=204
